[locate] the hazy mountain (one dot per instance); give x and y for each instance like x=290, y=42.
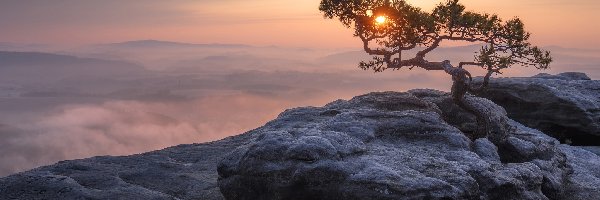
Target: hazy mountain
x=42, y=67
x=168, y=44
x=161, y=55
x=231, y=63
x=10, y=46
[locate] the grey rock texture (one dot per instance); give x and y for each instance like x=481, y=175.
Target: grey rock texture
x=593, y=149
x=565, y=106
x=402, y=146
x=377, y=146
x=584, y=182
x=180, y=172
x=564, y=76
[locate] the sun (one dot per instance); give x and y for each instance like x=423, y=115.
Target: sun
x=380, y=19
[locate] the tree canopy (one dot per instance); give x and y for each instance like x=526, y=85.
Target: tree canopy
x=389, y=27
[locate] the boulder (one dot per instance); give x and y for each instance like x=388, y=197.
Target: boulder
x=565, y=106
x=391, y=145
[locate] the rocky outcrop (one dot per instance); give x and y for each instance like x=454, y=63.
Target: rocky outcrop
x=584, y=181
x=180, y=172
x=401, y=146
x=593, y=149
x=565, y=106
x=386, y=145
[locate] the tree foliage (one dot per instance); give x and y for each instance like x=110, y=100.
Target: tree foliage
x=407, y=27
x=389, y=27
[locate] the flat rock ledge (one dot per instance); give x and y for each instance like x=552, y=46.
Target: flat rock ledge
x=412, y=145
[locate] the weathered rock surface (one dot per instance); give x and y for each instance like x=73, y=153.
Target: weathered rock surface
x=180, y=172
x=402, y=146
x=565, y=106
x=584, y=181
x=377, y=146
x=593, y=149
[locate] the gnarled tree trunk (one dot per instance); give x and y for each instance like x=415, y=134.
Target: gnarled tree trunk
x=461, y=79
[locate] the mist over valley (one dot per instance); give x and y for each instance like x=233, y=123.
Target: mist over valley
x=137, y=96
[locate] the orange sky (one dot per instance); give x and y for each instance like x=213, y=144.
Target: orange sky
x=296, y=23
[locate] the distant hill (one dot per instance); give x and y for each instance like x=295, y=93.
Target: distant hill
x=344, y=58
x=35, y=66
x=9, y=46
x=168, y=44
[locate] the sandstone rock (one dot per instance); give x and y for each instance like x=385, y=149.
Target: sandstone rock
x=584, y=182
x=564, y=76
x=180, y=172
x=394, y=146
x=565, y=106
x=593, y=149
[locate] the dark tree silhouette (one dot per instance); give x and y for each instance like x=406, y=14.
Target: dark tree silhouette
x=389, y=27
